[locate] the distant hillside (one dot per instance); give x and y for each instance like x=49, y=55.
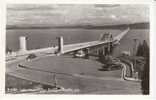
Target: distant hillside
x=122, y=26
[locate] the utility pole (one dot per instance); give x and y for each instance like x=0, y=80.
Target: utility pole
x=55, y=80
x=135, y=46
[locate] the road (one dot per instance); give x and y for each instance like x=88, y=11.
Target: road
x=84, y=75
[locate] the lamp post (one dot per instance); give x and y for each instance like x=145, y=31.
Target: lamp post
x=134, y=51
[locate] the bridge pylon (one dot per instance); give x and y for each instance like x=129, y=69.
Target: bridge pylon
x=23, y=44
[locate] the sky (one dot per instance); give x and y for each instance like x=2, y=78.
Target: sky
x=70, y=14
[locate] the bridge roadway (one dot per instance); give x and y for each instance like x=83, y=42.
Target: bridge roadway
x=52, y=50
x=67, y=48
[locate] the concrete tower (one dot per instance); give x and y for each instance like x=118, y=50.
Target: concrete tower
x=23, y=45
x=60, y=44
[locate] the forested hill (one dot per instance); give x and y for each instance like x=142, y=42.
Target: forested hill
x=144, y=25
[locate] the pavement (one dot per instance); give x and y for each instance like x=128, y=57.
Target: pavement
x=78, y=73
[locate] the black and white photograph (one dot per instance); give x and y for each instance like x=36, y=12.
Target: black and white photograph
x=98, y=49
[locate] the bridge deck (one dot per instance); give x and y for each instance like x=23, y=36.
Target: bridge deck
x=67, y=48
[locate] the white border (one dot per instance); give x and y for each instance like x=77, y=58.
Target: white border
x=153, y=49
x=81, y=1
x=76, y=97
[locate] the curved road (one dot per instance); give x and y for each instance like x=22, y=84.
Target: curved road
x=83, y=82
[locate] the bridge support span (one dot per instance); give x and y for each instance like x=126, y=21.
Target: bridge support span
x=23, y=44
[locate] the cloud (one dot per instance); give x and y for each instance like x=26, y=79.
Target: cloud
x=100, y=14
x=30, y=7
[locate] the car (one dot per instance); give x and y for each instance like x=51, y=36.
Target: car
x=79, y=54
x=111, y=67
x=31, y=56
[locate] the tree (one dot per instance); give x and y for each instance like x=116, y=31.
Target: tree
x=8, y=49
x=139, y=50
x=145, y=73
x=145, y=49
x=145, y=78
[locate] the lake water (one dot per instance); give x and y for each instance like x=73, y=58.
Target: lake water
x=40, y=38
